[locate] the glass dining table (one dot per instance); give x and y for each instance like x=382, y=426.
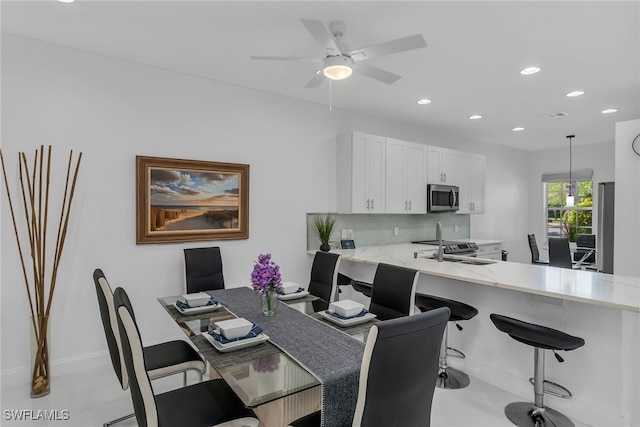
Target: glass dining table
x=262, y=373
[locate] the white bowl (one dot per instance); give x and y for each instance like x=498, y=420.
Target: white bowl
x=346, y=308
x=197, y=300
x=290, y=287
x=234, y=328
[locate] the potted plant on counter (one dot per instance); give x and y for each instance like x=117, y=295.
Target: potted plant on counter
x=323, y=228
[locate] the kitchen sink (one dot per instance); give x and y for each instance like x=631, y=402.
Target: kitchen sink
x=468, y=260
x=455, y=258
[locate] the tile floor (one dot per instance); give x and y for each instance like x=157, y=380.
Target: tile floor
x=92, y=397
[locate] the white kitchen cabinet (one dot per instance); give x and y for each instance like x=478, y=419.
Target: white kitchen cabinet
x=405, y=177
x=442, y=165
x=361, y=173
x=471, y=177
x=490, y=251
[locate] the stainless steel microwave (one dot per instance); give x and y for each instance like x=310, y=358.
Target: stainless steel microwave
x=442, y=198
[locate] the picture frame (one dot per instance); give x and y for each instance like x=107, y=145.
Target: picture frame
x=181, y=200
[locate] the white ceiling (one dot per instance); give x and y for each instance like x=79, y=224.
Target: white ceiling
x=471, y=65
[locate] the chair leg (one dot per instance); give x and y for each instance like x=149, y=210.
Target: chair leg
x=449, y=378
x=119, y=420
x=524, y=414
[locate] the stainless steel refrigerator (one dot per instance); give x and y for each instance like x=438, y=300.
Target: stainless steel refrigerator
x=604, y=240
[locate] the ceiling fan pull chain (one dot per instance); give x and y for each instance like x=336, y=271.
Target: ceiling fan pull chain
x=330, y=101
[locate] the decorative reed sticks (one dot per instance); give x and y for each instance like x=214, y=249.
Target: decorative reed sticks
x=39, y=283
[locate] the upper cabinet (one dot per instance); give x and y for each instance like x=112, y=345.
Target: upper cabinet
x=361, y=173
x=442, y=166
x=386, y=175
x=406, y=174
x=471, y=171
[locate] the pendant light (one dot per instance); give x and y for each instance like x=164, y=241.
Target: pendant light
x=570, y=196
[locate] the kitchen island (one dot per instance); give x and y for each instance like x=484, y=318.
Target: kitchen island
x=603, y=309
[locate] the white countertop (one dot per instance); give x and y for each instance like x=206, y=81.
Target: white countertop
x=587, y=287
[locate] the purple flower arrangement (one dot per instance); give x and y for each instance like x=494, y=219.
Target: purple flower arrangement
x=265, y=276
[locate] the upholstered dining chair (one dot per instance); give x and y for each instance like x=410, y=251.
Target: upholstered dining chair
x=585, y=243
x=324, y=276
x=167, y=358
x=393, y=292
x=389, y=392
x=533, y=247
x=204, y=404
x=559, y=252
x=203, y=269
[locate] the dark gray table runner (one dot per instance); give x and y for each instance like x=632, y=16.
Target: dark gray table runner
x=333, y=357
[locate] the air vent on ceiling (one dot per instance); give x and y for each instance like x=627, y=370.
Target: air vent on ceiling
x=553, y=115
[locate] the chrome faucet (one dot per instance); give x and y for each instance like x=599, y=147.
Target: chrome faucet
x=439, y=238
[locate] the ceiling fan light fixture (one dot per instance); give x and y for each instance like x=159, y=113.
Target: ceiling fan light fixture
x=337, y=67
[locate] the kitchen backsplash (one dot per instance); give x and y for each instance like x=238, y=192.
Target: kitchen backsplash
x=373, y=229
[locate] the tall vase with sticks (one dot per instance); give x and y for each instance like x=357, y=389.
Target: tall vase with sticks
x=40, y=277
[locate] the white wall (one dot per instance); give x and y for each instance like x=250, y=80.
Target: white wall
x=627, y=209
x=598, y=157
x=113, y=110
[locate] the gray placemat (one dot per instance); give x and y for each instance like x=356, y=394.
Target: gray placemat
x=330, y=355
x=222, y=360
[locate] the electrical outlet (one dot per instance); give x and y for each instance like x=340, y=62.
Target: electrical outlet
x=455, y=228
x=349, y=233
x=345, y=234
x=396, y=231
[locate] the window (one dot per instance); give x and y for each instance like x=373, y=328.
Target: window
x=564, y=221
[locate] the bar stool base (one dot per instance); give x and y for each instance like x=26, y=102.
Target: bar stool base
x=452, y=379
x=521, y=414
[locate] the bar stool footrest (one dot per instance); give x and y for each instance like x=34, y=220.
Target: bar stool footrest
x=454, y=352
x=555, y=389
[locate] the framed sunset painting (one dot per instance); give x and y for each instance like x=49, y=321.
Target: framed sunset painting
x=189, y=200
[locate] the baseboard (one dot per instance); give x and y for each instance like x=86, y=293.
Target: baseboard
x=573, y=408
x=21, y=376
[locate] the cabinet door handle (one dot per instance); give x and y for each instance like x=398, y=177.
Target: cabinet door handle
x=441, y=177
x=406, y=205
x=445, y=177
x=409, y=204
x=372, y=204
x=368, y=204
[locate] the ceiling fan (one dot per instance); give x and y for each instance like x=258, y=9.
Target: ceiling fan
x=340, y=61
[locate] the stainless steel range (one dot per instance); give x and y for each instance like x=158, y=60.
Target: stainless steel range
x=453, y=248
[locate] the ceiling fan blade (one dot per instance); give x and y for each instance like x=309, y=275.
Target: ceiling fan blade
x=286, y=58
x=375, y=73
x=316, y=80
x=415, y=41
x=322, y=35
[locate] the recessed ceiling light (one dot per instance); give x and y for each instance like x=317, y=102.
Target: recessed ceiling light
x=609, y=110
x=66, y=1
x=575, y=93
x=518, y=129
x=530, y=70
x=475, y=117
x=424, y=101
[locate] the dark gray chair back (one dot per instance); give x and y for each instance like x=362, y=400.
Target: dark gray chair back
x=399, y=370
x=324, y=275
x=203, y=269
x=393, y=292
x=559, y=252
x=533, y=247
x=144, y=403
x=110, y=325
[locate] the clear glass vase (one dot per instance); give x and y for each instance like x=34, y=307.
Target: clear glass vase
x=269, y=302
x=40, y=356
